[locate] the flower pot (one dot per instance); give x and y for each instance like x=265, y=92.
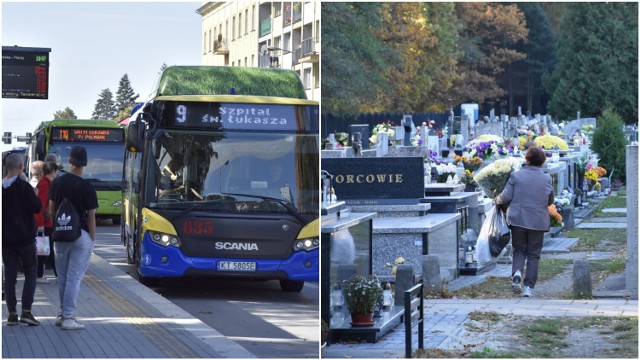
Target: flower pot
x=361, y=320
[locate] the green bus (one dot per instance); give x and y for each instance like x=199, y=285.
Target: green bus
x=221, y=178
x=104, y=142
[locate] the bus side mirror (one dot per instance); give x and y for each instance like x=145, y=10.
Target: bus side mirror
x=40, y=147
x=135, y=134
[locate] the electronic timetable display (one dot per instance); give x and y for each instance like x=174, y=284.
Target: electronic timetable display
x=87, y=134
x=25, y=73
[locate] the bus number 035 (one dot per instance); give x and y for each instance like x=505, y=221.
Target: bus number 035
x=197, y=227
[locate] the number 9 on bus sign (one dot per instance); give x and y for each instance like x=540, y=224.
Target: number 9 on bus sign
x=197, y=227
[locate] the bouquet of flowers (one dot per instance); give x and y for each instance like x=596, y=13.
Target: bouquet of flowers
x=550, y=142
x=445, y=170
x=467, y=179
x=361, y=294
x=494, y=176
x=471, y=164
x=342, y=138
x=555, y=219
x=394, y=268
x=485, y=146
x=383, y=127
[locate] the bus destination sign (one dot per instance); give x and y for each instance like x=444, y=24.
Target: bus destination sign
x=25, y=73
x=234, y=116
x=87, y=134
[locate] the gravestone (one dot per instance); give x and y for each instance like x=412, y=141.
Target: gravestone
x=631, y=271
x=363, y=129
x=404, y=281
x=581, y=279
x=431, y=275
x=576, y=125
x=377, y=181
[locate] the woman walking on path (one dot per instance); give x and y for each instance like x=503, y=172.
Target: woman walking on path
x=528, y=194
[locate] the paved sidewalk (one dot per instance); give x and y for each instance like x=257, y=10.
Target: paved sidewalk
x=446, y=318
x=123, y=319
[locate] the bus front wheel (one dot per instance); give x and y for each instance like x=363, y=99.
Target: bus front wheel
x=291, y=285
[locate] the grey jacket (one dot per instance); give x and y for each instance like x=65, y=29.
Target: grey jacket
x=528, y=194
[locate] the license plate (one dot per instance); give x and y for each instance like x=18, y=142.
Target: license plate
x=236, y=266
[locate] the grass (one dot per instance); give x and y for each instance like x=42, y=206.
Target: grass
x=590, y=239
x=610, y=266
x=618, y=201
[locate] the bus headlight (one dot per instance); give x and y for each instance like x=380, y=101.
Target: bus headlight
x=306, y=244
x=164, y=239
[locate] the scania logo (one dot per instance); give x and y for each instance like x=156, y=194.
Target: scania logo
x=236, y=246
x=285, y=227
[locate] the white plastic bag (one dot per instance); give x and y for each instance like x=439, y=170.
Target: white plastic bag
x=343, y=248
x=483, y=255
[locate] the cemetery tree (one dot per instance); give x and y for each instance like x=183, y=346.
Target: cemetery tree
x=525, y=84
x=105, y=106
x=424, y=37
x=353, y=58
x=125, y=96
x=488, y=39
x=597, y=61
x=610, y=144
x=67, y=113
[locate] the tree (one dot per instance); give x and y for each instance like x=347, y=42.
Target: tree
x=597, y=61
x=125, y=97
x=354, y=60
x=67, y=113
x=488, y=38
x=610, y=144
x=525, y=86
x=424, y=37
x=105, y=107
x=163, y=67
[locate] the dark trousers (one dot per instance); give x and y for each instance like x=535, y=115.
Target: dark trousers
x=11, y=257
x=47, y=259
x=527, y=245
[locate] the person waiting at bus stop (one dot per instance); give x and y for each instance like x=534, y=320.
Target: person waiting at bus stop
x=19, y=204
x=72, y=258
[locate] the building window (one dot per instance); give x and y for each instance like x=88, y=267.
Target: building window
x=246, y=21
x=253, y=60
x=239, y=25
x=210, y=42
x=253, y=18
x=204, y=43
x=307, y=78
x=233, y=29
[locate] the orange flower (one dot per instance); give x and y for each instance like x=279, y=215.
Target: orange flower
x=554, y=216
x=601, y=171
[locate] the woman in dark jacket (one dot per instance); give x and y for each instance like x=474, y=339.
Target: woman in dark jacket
x=528, y=194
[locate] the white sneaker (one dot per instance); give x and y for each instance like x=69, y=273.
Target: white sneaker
x=42, y=280
x=517, y=280
x=528, y=292
x=71, y=324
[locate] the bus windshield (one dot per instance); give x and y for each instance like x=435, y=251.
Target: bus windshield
x=237, y=172
x=105, y=161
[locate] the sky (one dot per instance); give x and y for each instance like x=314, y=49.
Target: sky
x=93, y=44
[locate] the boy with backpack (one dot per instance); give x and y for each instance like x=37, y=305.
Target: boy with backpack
x=73, y=203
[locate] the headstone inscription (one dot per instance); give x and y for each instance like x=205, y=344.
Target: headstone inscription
x=377, y=181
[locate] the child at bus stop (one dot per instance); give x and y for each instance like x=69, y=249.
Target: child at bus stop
x=72, y=258
x=43, y=218
x=19, y=204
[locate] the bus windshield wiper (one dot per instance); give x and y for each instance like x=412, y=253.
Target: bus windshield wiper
x=292, y=210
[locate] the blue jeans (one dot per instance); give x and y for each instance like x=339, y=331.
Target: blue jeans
x=72, y=261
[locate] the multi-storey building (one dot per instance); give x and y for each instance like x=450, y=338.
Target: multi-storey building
x=282, y=34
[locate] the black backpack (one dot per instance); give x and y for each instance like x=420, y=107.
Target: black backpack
x=66, y=225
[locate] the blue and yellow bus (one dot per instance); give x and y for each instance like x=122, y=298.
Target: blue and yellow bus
x=221, y=178
x=104, y=142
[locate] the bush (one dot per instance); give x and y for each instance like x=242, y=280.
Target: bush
x=609, y=142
